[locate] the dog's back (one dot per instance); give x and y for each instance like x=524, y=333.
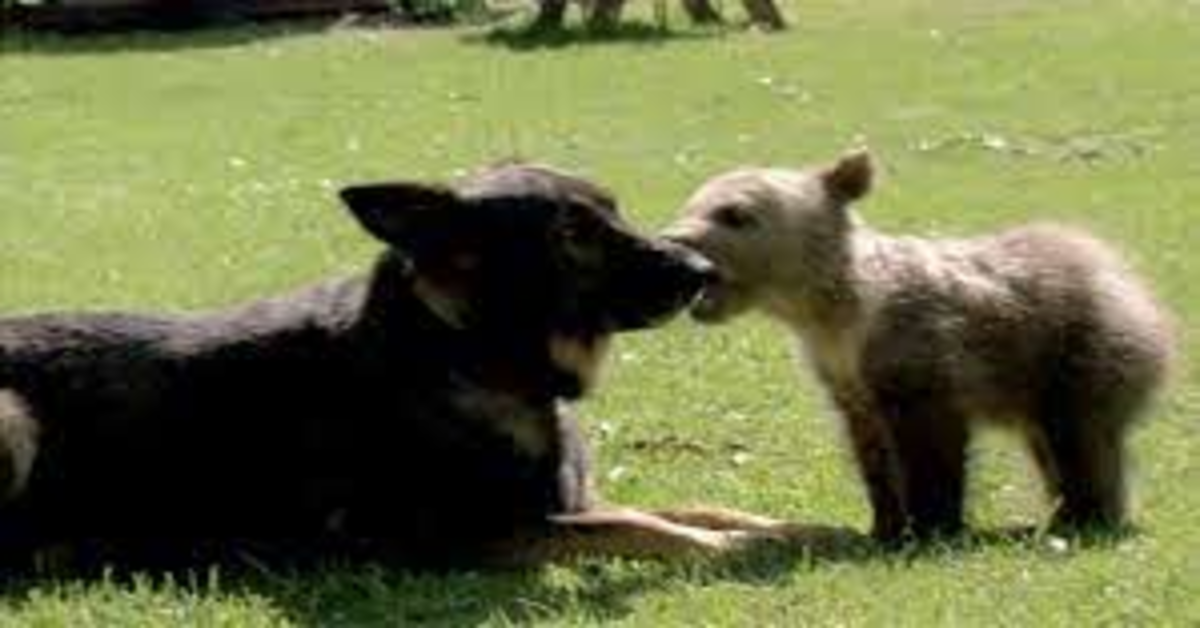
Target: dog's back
x=297, y=419
x=125, y=366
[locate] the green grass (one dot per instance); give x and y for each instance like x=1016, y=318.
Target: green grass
x=192, y=171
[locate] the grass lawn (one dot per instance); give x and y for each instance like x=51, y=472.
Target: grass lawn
x=198, y=170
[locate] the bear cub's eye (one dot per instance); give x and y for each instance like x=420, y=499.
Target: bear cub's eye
x=734, y=217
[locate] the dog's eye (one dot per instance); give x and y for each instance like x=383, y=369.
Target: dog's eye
x=734, y=217
x=577, y=231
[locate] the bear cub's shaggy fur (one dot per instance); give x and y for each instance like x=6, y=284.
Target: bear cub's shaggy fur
x=1039, y=327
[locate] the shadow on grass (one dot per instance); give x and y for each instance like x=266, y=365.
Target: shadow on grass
x=355, y=594
x=1035, y=540
x=526, y=38
x=596, y=590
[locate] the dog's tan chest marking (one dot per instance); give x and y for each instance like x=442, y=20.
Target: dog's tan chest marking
x=530, y=427
x=18, y=445
x=582, y=357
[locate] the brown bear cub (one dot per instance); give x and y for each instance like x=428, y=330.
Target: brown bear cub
x=1042, y=328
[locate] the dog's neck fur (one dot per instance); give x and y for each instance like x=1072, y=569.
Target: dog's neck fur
x=531, y=369
x=508, y=394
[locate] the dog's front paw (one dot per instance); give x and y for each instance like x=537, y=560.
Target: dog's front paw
x=735, y=543
x=810, y=540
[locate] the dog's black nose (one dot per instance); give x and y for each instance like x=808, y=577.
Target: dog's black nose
x=687, y=264
x=667, y=279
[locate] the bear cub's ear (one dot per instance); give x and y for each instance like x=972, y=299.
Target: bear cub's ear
x=402, y=213
x=851, y=177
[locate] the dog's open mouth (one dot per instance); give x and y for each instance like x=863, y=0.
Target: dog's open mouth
x=710, y=304
x=707, y=307
x=661, y=314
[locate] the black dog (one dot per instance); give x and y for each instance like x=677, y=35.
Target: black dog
x=411, y=416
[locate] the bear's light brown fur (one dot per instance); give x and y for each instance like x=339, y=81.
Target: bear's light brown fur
x=1040, y=327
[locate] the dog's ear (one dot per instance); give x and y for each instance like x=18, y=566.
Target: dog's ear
x=424, y=222
x=403, y=214
x=850, y=178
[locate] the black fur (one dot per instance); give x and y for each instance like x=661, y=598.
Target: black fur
x=412, y=415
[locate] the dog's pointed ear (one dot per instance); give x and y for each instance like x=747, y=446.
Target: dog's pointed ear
x=851, y=177
x=400, y=213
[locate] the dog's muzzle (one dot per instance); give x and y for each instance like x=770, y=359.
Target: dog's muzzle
x=691, y=271
x=668, y=280
x=695, y=269
x=715, y=284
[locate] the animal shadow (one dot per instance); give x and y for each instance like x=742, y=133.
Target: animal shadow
x=527, y=38
x=373, y=595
